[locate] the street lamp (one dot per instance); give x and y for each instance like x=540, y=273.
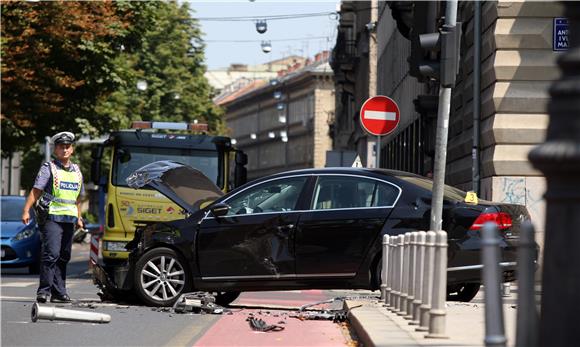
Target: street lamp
x=266, y=46
x=261, y=26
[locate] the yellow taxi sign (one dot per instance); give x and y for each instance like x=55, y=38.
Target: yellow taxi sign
x=471, y=198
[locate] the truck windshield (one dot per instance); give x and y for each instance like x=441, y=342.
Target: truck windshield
x=137, y=157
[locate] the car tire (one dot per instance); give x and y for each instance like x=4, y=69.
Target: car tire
x=161, y=275
x=465, y=292
x=226, y=298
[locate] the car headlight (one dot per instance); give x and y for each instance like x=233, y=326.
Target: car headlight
x=114, y=246
x=24, y=234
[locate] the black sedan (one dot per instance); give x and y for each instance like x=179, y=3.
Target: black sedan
x=306, y=229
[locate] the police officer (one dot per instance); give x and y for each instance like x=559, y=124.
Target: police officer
x=58, y=185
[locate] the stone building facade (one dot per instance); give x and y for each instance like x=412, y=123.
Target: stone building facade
x=283, y=124
x=517, y=68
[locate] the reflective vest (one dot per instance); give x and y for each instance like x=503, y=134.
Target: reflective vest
x=66, y=187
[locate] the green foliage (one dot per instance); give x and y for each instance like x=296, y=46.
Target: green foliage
x=170, y=61
x=75, y=65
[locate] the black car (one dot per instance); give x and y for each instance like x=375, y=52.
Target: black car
x=306, y=229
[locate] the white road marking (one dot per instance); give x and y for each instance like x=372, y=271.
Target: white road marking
x=18, y=284
x=379, y=115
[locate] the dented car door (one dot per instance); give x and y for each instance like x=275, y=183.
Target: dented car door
x=255, y=239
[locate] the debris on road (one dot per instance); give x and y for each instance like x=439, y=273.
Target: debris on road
x=197, y=302
x=336, y=316
x=53, y=313
x=261, y=325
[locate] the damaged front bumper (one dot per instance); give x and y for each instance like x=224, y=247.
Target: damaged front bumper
x=115, y=282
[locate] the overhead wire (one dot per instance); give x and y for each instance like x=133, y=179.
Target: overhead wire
x=272, y=40
x=267, y=17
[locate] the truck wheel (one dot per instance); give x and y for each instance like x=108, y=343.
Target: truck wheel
x=226, y=298
x=161, y=276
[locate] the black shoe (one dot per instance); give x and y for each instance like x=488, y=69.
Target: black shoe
x=60, y=299
x=41, y=298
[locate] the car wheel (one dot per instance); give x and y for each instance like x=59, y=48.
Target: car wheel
x=161, y=276
x=465, y=292
x=226, y=298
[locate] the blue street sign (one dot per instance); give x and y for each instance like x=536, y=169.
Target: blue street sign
x=560, y=42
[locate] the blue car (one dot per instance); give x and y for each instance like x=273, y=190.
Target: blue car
x=20, y=244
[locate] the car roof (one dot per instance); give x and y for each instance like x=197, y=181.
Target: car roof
x=344, y=170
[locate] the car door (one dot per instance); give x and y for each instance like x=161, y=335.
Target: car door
x=254, y=240
x=347, y=213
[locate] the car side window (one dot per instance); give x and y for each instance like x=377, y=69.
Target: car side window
x=386, y=195
x=273, y=196
x=333, y=192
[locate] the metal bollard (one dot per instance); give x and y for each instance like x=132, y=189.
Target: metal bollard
x=428, y=262
x=392, y=272
x=389, y=273
x=399, y=278
x=385, y=262
x=437, y=313
x=404, y=278
x=494, y=326
x=411, y=281
x=418, y=286
x=53, y=313
x=527, y=314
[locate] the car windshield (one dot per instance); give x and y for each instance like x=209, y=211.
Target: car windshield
x=12, y=209
x=449, y=193
x=127, y=160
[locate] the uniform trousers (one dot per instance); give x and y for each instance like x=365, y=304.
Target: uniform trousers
x=56, y=240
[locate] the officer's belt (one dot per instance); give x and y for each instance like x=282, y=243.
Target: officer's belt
x=59, y=200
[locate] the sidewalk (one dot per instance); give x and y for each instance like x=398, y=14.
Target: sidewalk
x=465, y=324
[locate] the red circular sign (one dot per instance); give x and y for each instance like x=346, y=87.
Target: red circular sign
x=379, y=115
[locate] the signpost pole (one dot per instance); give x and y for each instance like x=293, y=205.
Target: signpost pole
x=378, y=153
x=441, y=137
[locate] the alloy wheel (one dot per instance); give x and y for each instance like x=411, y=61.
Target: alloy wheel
x=163, y=278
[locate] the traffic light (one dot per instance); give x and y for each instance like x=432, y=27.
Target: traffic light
x=435, y=52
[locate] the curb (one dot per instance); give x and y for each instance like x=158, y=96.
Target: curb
x=374, y=328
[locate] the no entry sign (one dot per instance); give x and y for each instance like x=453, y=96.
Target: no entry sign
x=379, y=115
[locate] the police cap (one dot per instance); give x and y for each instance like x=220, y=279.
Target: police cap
x=63, y=137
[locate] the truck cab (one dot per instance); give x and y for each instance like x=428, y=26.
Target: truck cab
x=125, y=208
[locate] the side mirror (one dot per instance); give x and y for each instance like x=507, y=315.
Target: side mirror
x=241, y=158
x=240, y=171
x=220, y=209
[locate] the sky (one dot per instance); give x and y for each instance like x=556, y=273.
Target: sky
x=313, y=34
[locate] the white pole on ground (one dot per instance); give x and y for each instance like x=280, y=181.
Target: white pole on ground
x=53, y=313
x=438, y=313
x=427, y=282
x=419, y=266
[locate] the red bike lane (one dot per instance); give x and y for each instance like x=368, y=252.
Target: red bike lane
x=273, y=308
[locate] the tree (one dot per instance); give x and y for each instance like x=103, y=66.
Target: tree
x=170, y=61
x=74, y=66
x=57, y=62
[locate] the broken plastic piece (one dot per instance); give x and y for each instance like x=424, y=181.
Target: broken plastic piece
x=260, y=325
